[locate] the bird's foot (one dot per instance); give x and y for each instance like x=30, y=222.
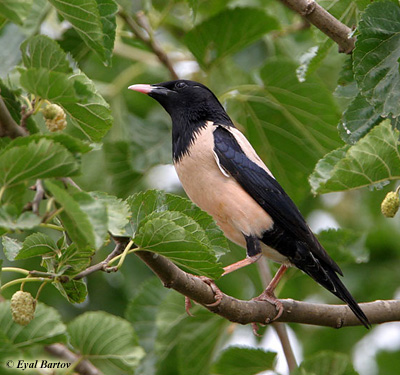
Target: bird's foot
x=217, y=292
x=255, y=328
x=269, y=296
x=217, y=295
x=188, y=306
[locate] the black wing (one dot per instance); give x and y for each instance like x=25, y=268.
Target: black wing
x=290, y=234
x=267, y=192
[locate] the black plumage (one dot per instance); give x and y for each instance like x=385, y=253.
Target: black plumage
x=221, y=172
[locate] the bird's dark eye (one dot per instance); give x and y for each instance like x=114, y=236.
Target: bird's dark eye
x=180, y=85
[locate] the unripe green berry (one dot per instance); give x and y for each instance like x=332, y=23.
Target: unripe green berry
x=22, y=307
x=390, y=205
x=55, y=117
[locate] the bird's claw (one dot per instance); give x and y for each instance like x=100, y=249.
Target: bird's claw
x=217, y=292
x=269, y=296
x=254, y=327
x=217, y=295
x=188, y=306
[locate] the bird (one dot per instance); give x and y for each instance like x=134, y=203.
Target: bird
x=222, y=174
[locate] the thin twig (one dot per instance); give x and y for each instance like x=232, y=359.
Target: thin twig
x=8, y=127
x=70, y=181
x=245, y=312
x=84, y=367
x=120, y=246
x=25, y=114
x=38, y=196
x=320, y=18
x=280, y=328
x=143, y=31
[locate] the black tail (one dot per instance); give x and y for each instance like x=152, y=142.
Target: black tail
x=328, y=278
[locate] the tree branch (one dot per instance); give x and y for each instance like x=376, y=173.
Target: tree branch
x=84, y=367
x=143, y=31
x=324, y=21
x=8, y=127
x=121, y=243
x=245, y=312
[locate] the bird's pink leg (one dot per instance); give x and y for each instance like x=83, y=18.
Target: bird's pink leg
x=268, y=294
x=242, y=263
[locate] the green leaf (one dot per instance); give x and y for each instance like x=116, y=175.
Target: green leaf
x=388, y=362
x=109, y=342
x=91, y=116
x=243, y=361
x=38, y=159
x=75, y=291
x=198, y=341
x=376, y=56
x=107, y=10
x=15, y=10
x=94, y=21
x=144, y=203
x=344, y=245
x=7, y=349
x=36, y=244
x=40, y=51
x=11, y=219
x=372, y=160
x=11, y=37
x=150, y=144
x=118, y=212
x=227, y=33
x=186, y=342
x=46, y=328
x=179, y=238
x=326, y=363
x=72, y=144
x=142, y=311
x=11, y=247
x=96, y=212
x=73, y=260
x=118, y=156
x=10, y=100
x=74, y=219
x=53, y=86
x=215, y=235
x=358, y=119
x=35, y=17
x=347, y=86
x=325, y=167
x=51, y=78
x=291, y=124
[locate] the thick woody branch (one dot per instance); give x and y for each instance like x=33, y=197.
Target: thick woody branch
x=245, y=312
x=8, y=127
x=324, y=21
x=84, y=367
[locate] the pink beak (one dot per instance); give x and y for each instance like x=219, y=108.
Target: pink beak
x=145, y=89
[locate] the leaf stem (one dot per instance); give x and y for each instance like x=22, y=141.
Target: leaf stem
x=15, y=269
x=119, y=256
x=40, y=289
x=123, y=255
x=22, y=280
x=51, y=226
x=2, y=190
x=54, y=214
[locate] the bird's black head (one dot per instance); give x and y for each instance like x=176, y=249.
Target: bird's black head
x=190, y=105
x=185, y=100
